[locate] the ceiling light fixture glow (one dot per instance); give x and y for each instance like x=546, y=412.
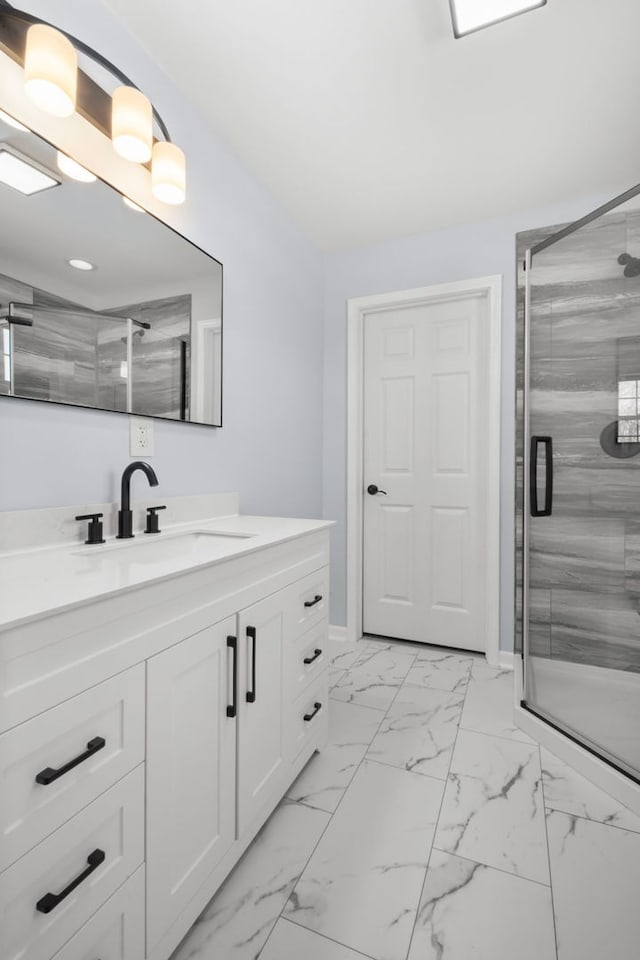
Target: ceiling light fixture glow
x=471, y=15
x=11, y=122
x=74, y=170
x=22, y=173
x=50, y=70
x=80, y=264
x=168, y=176
x=131, y=124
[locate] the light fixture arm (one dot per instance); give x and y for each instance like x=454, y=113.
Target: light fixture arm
x=6, y=9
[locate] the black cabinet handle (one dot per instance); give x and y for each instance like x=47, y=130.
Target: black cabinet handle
x=533, y=476
x=232, y=643
x=51, y=900
x=312, y=603
x=251, y=694
x=316, y=709
x=316, y=653
x=49, y=774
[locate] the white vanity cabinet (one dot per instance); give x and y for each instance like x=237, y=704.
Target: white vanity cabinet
x=159, y=727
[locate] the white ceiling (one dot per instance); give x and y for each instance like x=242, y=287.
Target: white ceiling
x=367, y=120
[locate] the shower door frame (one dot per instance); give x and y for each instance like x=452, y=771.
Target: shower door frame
x=524, y=710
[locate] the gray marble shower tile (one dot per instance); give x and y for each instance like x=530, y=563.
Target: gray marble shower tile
x=469, y=910
x=238, y=920
x=596, y=628
x=362, y=885
x=581, y=553
x=492, y=810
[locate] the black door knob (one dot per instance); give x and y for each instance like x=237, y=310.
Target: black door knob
x=372, y=489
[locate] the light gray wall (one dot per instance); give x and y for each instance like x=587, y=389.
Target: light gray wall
x=269, y=447
x=457, y=253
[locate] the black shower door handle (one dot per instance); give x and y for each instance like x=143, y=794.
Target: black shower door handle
x=533, y=476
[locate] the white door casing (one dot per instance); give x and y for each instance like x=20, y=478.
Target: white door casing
x=424, y=409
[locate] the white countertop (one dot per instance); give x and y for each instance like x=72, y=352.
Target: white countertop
x=45, y=580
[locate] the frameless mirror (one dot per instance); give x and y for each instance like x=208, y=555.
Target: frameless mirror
x=101, y=304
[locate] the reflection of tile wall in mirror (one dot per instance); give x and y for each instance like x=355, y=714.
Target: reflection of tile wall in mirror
x=79, y=358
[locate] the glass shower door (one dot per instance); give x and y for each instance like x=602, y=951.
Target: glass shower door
x=582, y=484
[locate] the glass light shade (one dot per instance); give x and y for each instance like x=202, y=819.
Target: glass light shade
x=131, y=124
x=74, y=170
x=50, y=70
x=168, y=173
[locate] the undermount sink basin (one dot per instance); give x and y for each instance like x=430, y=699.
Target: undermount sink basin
x=165, y=546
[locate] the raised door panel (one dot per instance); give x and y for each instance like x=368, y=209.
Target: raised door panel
x=261, y=735
x=190, y=770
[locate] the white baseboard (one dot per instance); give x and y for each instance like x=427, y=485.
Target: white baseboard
x=506, y=659
x=337, y=634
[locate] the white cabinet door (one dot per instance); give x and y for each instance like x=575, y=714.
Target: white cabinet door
x=261, y=753
x=191, y=770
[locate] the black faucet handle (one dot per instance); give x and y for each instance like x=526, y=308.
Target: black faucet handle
x=152, y=519
x=94, y=532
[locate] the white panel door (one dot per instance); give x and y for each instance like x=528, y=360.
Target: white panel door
x=191, y=764
x=262, y=762
x=425, y=439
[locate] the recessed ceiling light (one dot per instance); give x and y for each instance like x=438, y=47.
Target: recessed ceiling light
x=74, y=170
x=471, y=15
x=22, y=173
x=80, y=264
x=132, y=205
x=10, y=122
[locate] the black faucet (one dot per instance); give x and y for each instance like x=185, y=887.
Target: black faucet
x=125, y=516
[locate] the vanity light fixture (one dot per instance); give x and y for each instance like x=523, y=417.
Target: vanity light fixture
x=74, y=170
x=79, y=264
x=132, y=205
x=54, y=82
x=10, y=122
x=471, y=15
x=22, y=173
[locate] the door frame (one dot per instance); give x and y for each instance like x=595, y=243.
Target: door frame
x=357, y=310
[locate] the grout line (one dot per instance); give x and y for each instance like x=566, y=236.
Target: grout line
x=546, y=840
x=550, y=808
x=490, y=866
x=395, y=766
x=437, y=824
x=498, y=736
x=329, y=821
x=323, y=936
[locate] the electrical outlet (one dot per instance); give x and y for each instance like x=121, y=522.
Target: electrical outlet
x=140, y=437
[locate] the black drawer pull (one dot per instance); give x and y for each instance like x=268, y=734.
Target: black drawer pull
x=312, y=603
x=48, y=775
x=51, y=900
x=316, y=653
x=309, y=716
x=232, y=643
x=251, y=694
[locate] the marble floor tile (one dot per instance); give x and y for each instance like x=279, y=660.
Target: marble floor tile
x=492, y=810
x=335, y=674
x=568, y=791
x=595, y=873
x=329, y=772
x=469, y=910
x=419, y=731
x=237, y=921
x=362, y=885
x=345, y=654
x=289, y=941
x=441, y=670
x=488, y=706
x=374, y=680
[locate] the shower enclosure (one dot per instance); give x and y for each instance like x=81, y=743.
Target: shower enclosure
x=579, y=479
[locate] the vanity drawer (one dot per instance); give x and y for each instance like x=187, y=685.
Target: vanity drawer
x=308, y=602
x=310, y=646
x=100, y=731
x=301, y=732
x=116, y=931
x=111, y=827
